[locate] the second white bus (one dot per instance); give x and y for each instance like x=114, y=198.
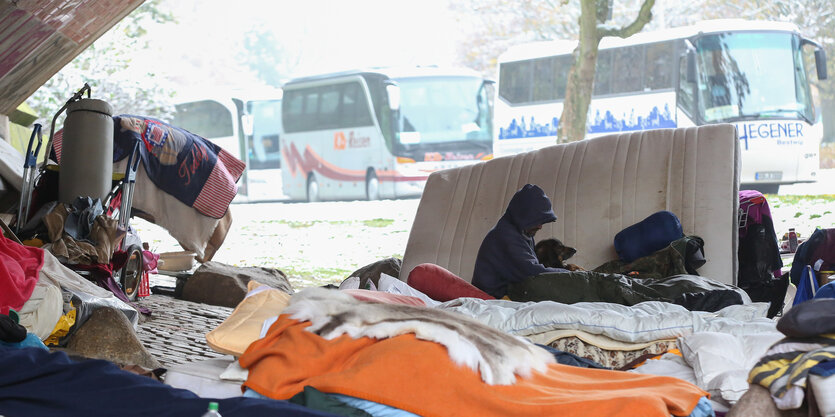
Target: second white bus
x=750, y=74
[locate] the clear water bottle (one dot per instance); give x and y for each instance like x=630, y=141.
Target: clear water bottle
x=792, y=240
x=212, y=411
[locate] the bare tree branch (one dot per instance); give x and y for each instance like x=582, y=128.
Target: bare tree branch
x=644, y=16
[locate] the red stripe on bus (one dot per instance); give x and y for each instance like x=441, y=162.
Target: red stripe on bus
x=311, y=161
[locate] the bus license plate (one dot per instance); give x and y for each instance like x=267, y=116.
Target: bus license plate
x=768, y=175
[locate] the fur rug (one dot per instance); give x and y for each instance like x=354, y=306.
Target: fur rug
x=496, y=355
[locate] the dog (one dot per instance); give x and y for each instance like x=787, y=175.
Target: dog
x=553, y=254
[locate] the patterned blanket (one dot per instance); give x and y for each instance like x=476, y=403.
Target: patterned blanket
x=196, y=171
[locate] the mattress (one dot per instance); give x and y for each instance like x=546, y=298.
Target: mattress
x=597, y=187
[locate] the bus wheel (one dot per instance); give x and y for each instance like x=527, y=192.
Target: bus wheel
x=372, y=186
x=312, y=189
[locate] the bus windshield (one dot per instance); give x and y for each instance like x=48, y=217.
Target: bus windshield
x=263, y=147
x=751, y=75
x=443, y=109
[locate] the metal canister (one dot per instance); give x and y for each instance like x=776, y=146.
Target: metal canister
x=86, y=151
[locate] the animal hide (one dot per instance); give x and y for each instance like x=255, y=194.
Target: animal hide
x=496, y=355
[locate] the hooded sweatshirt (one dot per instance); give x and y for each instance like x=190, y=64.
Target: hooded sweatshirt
x=507, y=254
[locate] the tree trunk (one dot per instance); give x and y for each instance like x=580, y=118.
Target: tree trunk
x=580, y=83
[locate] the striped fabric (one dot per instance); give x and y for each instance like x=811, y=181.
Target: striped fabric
x=785, y=367
x=220, y=188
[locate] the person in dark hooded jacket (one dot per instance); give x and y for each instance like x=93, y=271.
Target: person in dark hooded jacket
x=507, y=252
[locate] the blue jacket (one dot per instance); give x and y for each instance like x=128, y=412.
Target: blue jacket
x=507, y=254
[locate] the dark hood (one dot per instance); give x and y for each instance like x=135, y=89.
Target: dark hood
x=507, y=254
x=529, y=207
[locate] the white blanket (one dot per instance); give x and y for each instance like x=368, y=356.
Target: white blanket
x=644, y=322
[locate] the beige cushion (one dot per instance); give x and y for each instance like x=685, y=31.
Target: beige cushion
x=243, y=326
x=598, y=187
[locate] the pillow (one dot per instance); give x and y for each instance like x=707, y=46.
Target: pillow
x=648, y=236
x=243, y=326
x=809, y=318
x=442, y=285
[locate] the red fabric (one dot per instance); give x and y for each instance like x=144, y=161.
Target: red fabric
x=385, y=297
x=19, y=269
x=442, y=285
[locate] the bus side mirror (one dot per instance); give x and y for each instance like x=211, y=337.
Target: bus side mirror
x=247, y=124
x=691, y=67
x=820, y=57
x=393, y=93
x=820, y=63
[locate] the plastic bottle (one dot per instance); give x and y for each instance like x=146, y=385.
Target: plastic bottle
x=212, y=412
x=792, y=240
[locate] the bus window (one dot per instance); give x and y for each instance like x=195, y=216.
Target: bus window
x=206, y=118
x=516, y=81
x=354, y=106
x=628, y=69
x=292, y=113
x=311, y=109
x=543, y=79
x=659, y=66
x=562, y=64
x=328, y=108
x=603, y=73
x=686, y=91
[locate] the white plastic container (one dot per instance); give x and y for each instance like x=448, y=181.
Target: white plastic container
x=176, y=261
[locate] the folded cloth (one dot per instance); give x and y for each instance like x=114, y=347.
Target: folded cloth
x=418, y=376
x=384, y=297
x=243, y=326
x=19, y=269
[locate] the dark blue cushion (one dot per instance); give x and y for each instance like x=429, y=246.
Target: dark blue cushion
x=646, y=237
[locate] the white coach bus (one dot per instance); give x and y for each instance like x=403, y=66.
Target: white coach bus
x=751, y=74
x=248, y=127
x=379, y=133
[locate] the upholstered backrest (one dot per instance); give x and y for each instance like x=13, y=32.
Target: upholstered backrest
x=598, y=187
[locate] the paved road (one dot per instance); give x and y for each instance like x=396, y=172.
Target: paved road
x=175, y=333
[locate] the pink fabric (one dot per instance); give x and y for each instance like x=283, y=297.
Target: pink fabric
x=385, y=297
x=19, y=269
x=442, y=285
x=150, y=261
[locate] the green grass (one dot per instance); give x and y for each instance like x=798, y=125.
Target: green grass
x=776, y=200
x=378, y=222
x=316, y=276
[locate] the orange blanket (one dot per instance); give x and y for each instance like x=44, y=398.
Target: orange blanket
x=418, y=376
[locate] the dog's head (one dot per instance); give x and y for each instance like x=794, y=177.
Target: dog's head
x=552, y=253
